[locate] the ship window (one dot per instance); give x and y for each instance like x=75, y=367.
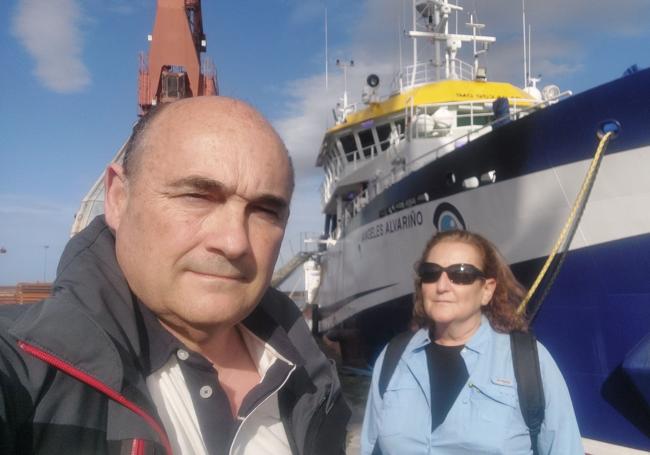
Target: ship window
x=464, y=120
x=172, y=87
x=349, y=146
x=383, y=134
x=483, y=119
x=367, y=143
x=476, y=118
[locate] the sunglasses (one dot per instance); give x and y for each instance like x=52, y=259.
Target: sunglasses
x=430, y=272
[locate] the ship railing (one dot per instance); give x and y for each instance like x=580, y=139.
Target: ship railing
x=353, y=161
x=426, y=72
x=467, y=114
x=397, y=172
x=517, y=111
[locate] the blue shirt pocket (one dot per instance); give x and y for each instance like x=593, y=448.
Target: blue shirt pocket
x=492, y=409
x=401, y=405
x=493, y=401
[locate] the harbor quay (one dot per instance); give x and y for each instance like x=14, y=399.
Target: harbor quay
x=355, y=391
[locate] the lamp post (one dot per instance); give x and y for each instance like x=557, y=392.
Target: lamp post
x=45, y=247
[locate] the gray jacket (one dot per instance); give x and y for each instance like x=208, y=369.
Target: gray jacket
x=71, y=367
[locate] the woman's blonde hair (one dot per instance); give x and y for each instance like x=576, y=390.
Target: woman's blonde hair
x=501, y=310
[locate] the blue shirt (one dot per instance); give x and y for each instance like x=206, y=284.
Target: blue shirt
x=484, y=419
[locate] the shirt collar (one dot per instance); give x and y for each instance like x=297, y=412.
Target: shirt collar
x=477, y=343
x=268, y=339
x=480, y=340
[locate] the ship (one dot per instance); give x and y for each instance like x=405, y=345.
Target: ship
x=552, y=178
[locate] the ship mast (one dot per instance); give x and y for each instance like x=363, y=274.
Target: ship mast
x=433, y=17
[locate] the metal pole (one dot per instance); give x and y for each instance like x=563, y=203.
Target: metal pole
x=523, y=20
x=45, y=247
x=326, y=69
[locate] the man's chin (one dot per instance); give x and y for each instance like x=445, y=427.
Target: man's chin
x=215, y=308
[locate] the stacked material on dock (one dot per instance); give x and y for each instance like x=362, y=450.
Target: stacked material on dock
x=25, y=293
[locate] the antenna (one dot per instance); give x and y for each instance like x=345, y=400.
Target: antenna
x=415, y=48
x=476, y=26
x=530, y=56
x=326, y=69
x=523, y=20
x=400, y=31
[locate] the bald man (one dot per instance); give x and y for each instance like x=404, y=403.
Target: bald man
x=163, y=335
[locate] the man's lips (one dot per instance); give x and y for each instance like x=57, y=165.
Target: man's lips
x=218, y=275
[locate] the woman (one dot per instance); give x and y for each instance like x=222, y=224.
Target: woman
x=454, y=390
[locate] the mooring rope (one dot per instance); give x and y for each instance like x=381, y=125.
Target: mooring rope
x=570, y=225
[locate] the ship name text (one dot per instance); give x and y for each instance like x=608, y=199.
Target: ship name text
x=407, y=221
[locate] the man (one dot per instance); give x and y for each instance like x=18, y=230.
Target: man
x=162, y=334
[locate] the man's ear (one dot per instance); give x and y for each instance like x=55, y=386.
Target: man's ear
x=115, y=195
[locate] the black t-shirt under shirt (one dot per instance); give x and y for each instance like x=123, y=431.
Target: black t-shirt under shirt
x=447, y=376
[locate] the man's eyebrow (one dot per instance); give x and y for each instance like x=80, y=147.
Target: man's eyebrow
x=199, y=184
x=212, y=186
x=273, y=201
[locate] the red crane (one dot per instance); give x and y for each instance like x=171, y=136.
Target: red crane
x=176, y=66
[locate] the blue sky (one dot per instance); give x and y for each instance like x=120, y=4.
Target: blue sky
x=69, y=86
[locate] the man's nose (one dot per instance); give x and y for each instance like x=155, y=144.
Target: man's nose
x=227, y=231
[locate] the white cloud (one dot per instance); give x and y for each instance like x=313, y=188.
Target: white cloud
x=307, y=10
x=50, y=31
x=308, y=109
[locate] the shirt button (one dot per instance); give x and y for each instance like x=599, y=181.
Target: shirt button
x=182, y=354
x=205, y=391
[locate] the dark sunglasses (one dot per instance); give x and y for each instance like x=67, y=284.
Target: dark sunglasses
x=430, y=272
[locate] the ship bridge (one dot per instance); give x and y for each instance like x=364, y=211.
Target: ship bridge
x=377, y=141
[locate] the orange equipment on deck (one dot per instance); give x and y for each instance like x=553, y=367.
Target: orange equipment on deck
x=175, y=68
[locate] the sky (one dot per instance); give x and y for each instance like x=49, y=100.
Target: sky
x=70, y=70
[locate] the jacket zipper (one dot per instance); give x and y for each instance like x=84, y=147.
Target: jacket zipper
x=100, y=386
x=317, y=421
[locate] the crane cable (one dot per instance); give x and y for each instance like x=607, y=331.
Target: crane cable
x=571, y=223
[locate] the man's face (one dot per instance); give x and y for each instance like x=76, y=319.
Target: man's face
x=199, y=224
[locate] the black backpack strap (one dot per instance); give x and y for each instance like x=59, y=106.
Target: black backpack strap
x=530, y=389
x=394, y=352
